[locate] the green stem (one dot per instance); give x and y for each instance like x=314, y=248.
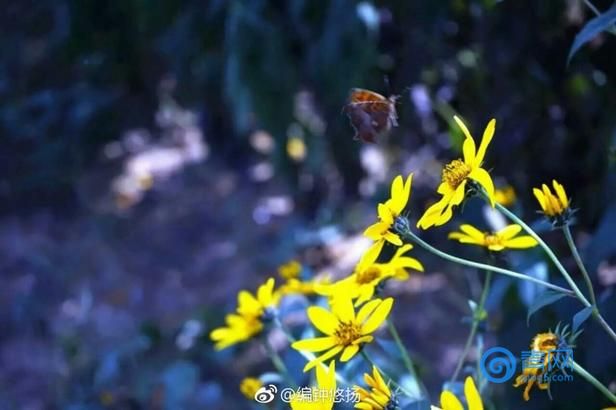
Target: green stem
x=592, y=380
x=391, y=379
x=278, y=363
x=411, y=236
x=596, y=315
x=545, y=247
x=476, y=320
x=604, y=324
x=580, y=263
x=406, y=358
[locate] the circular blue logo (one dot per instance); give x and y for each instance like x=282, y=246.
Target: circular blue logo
x=498, y=364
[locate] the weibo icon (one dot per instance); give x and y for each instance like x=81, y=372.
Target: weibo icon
x=266, y=394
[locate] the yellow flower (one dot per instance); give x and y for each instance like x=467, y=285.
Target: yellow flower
x=368, y=274
x=248, y=319
x=505, y=196
x=297, y=286
x=249, y=387
x=249, y=305
x=542, y=342
x=345, y=331
x=457, y=174
x=238, y=329
x=497, y=241
x=553, y=206
x=322, y=397
x=379, y=398
x=450, y=402
x=290, y=270
x=382, y=230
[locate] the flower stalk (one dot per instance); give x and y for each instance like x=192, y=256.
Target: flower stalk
x=546, y=249
x=592, y=380
x=474, y=326
x=278, y=362
x=578, y=293
x=408, y=235
x=580, y=263
x=406, y=358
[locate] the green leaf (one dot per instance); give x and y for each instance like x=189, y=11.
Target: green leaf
x=543, y=299
x=580, y=317
x=594, y=26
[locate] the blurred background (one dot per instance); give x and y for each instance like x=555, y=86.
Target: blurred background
x=157, y=157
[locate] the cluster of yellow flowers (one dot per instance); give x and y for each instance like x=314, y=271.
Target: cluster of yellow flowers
x=355, y=308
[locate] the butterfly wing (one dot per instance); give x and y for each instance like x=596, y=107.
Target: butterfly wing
x=371, y=114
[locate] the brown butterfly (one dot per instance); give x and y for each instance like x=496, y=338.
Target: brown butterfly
x=371, y=114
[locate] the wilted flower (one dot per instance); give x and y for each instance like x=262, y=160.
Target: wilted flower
x=345, y=331
x=450, y=402
x=494, y=241
x=538, y=367
x=379, y=397
x=456, y=176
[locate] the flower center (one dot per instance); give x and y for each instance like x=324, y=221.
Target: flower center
x=455, y=172
x=347, y=333
x=367, y=275
x=491, y=239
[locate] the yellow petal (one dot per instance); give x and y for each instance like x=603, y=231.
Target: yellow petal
x=509, y=231
x=540, y=198
x=488, y=133
x=385, y=214
x=264, y=293
x=400, y=198
x=444, y=217
x=349, y=352
x=378, y=316
x=462, y=126
x=473, y=232
x=483, y=177
x=406, y=262
x=370, y=256
x=376, y=230
x=562, y=196
x=322, y=319
x=326, y=356
x=450, y=402
x=343, y=308
x=367, y=309
x=379, y=381
x=472, y=395
x=521, y=242
x=326, y=379
x=393, y=238
x=317, y=344
x=463, y=238
x=468, y=150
